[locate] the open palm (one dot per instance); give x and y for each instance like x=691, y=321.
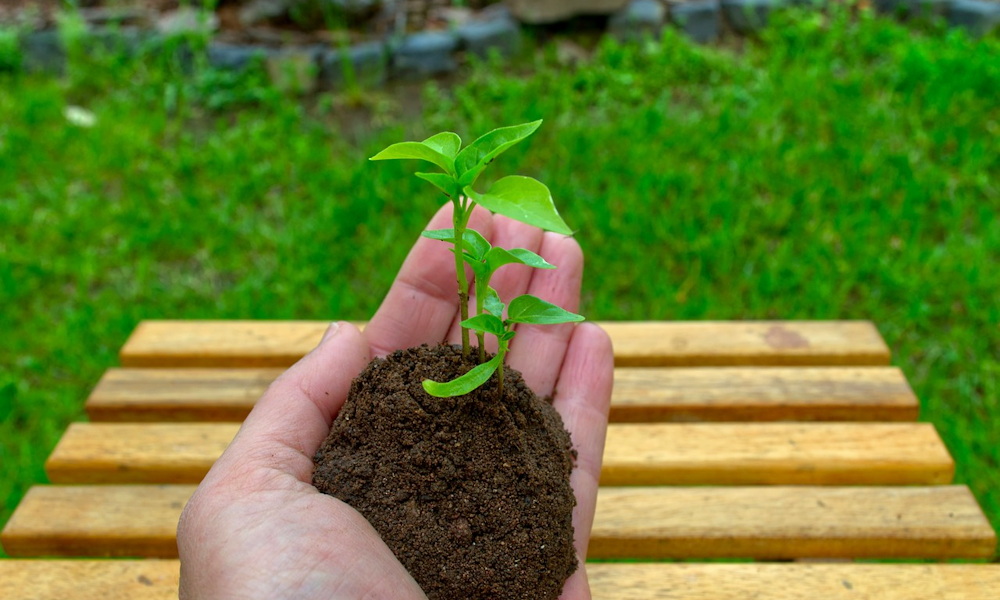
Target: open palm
x=257, y=528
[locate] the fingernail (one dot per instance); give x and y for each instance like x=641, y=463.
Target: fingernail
x=330, y=331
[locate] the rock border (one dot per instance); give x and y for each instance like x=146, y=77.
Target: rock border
x=432, y=53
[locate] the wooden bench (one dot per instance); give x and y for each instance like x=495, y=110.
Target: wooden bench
x=754, y=441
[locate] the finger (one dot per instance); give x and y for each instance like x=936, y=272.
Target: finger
x=582, y=398
x=423, y=300
x=577, y=587
x=294, y=415
x=560, y=286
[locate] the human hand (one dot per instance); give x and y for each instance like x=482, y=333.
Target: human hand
x=257, y=528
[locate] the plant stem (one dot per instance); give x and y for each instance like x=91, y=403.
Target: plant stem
x=460, y=218
x=480, y=300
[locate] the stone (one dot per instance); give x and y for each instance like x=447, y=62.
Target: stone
x=369, y=62
x=499, y=31
x=187, y=20
x=978, y=17
x=425, y=53
x=699, y=19
x=43, y=52
x=640, y=18
x=748, y=16
x=550, y=11
x=234, y=57
x=911, y=8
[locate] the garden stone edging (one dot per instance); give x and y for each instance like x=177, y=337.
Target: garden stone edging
x=424, y=54
x=749, y=16
x=430, y=53
x=699, y=19
x=911, y=8
x=638, y=19
x=978, y=17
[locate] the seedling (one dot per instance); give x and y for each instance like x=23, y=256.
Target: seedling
x=518, y=197
x=521, y=198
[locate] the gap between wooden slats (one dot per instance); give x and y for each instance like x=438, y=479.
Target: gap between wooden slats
x=778, y=522
x=651, y=343
x=635, y=454
x=641, y=394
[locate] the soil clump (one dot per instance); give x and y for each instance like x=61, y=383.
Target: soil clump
x=471, y=493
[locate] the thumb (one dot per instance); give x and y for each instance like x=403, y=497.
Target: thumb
x=293, y=417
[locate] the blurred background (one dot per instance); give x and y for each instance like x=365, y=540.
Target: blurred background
x=836, y=164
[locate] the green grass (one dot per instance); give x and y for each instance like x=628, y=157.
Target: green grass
x=831, y=170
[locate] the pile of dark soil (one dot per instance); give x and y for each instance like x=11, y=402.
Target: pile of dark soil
x=471, y=493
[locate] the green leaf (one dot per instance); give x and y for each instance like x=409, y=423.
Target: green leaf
x=446, y=143
x=498, y=257
x=442, y=181
x=471, y=161
x=534, y=310
x=522, y=199
x=527, y=257
x=445, y=235
x=476, y=377
x=419, y=151
x=476, y=245
x=492, y=303
x=486, y=323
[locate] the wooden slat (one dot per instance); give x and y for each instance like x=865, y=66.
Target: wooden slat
x=793, y=581
x=138, y=452
x=124, y=395
x=645, y=394
x=641, y=394
x=635, y=454
x=692, y=343
x=149, y=579
x=790, y=522
x=775, y=453
x=154, y=579
x=122, y=520
x=936, y=522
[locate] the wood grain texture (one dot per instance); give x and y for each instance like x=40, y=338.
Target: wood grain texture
x=760, y=343
x=641, y=394
x=150, y=579
x=635, y=454
x=138, y=452
x=653, y=343
x=97, y=521
x=775, y=522
x=793, y=581
x=775, y=453
x=158, y=580
x=649, y=394
x=128, y=395
x=687, y=522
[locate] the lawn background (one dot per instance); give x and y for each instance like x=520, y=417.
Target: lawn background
x=838, y=168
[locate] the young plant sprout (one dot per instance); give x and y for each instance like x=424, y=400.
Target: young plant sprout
x=521, y=198
x=518, y=197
